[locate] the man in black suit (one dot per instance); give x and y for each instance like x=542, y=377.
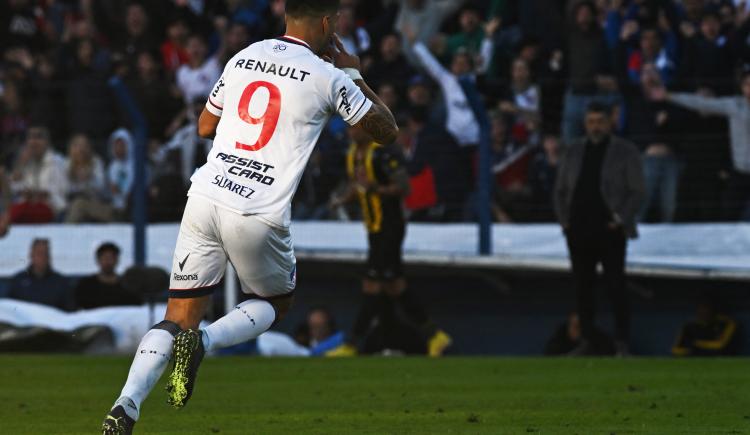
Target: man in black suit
x=599, y=191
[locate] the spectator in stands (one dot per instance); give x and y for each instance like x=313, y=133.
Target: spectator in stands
x=652, y=50
x=4, y=203
x=388, y=92
x=390, y=66
x=173, y=49
x=196, y=78
x=138, y=35
x=187, y=145
x=84, y=169
x=588, y=69
x=88, y=100
x=47, y=97
x=426, y=17
x=568, y=337
x=87, y=186
x=355, y=38
x=741, y=39
x=707, y=55
x=120, y=173
x=419, y=92
x=104, y=288
x=24, y=30
x=39, y=283
x=510, y=162
x=709, y=334
x=523, y=98
x=461, y=121
x=598, y=194
x=432, y=147
x=156, y=96
x=321, y=325
x=655, y=128
x=166, y=198
x=737, y=110
x=321, y=335
x=39, y=180
x=470, y=35
x=542, y=175
x=13, y=121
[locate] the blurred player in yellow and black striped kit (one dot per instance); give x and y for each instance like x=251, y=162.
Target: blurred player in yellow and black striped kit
x=379, y=182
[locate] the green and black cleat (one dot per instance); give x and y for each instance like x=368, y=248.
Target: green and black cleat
x=187, y=354
x=117, y=422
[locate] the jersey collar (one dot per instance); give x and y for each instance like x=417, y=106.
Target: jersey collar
x=293, y=40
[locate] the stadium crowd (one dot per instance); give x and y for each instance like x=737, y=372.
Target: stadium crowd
x=67, y=143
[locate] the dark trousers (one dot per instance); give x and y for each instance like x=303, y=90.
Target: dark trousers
x=587, y=250
x=737, y=198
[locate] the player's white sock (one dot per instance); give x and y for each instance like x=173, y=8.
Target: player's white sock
x=245, y=322
x=149, y=363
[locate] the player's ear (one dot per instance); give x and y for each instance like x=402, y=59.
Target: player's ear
x=325, y=24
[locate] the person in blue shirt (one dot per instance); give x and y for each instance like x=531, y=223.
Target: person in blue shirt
x=39, y=283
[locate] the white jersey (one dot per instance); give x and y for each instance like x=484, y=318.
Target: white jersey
x=274, y=99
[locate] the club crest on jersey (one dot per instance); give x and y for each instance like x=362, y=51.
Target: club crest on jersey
x=345, y=101
x=279, y=47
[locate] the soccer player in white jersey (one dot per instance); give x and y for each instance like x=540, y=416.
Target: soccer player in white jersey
x=266, y=112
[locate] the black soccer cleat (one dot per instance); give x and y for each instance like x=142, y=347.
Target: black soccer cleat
x=187, y=354
x=117, y=422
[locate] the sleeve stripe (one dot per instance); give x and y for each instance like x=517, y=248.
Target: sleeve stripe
x=354, y=115
x=214, y=104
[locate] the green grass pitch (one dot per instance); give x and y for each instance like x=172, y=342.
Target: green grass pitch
x=70, y=395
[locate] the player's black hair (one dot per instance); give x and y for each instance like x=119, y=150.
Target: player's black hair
x=107, y=247
x=599, y=107
x=311, y=8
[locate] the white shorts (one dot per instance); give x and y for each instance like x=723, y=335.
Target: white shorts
x=210, y=235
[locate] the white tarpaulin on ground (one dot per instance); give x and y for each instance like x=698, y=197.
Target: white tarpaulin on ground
x=685, y=249
x=128, y=324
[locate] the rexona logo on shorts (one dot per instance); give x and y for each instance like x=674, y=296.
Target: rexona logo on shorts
x=186, y=277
